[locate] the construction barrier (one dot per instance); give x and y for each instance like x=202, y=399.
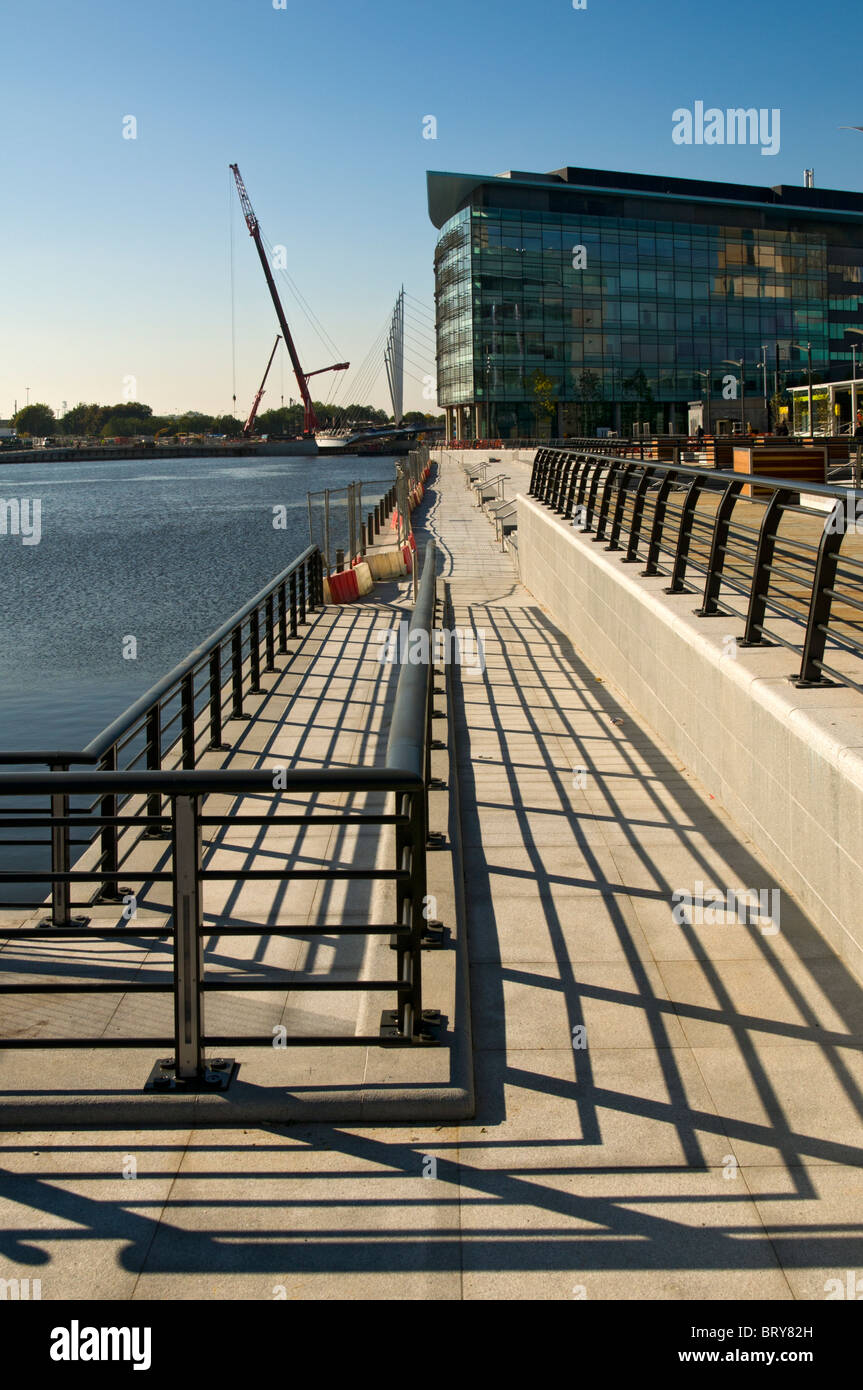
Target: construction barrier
x=386, y=564
x=347, y=585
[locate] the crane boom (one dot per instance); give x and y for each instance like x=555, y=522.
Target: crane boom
x=310, y=420
x=250, y=423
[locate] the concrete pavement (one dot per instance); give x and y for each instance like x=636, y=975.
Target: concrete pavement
x=666, y=1109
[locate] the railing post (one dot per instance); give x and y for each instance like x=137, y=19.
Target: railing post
x=659, y=509
x=188, y=943
x=610, y=478
x=270, y=634
x=684, y=537
x=715, y=565
x=187, y=719
x=637, y=513
x=821, y=601
x=283, y=618
x=154, y=763
x=302, y=593
x=617, y=515
x=410, y=902
x=764, y=552
x=237, y=673
x=215, y=700
x=292, y=584
x=598, y=465
x=108, y=806
x=318, y=572
x=255, y=652
x=61, y=890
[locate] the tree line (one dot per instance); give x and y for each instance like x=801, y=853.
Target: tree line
x=130, y=419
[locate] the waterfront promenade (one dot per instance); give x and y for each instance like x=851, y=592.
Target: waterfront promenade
x=664, y=1110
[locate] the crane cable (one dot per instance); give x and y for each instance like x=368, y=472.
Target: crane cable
x=233, y=294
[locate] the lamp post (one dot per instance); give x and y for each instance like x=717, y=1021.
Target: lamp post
x=763, y=365
x=857, y=447
x=807, y=348
x=706, y=376
x=733, y=362
x=858, y=331
x=487, y=406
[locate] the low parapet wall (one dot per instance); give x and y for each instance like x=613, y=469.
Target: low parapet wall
x=786, y=763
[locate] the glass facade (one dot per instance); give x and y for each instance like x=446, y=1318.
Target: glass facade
x=553, y=321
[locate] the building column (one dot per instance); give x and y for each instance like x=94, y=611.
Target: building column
x=832, y=408
x=853, y=406
x=477, y=422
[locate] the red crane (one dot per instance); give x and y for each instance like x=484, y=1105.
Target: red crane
x=250, y=423
x=310, y=420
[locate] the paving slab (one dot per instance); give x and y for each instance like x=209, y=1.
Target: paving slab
x=665, y=1109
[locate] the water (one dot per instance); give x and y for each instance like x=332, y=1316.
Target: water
x=159, y=550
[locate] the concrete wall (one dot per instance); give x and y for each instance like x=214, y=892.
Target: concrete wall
x=787, y=764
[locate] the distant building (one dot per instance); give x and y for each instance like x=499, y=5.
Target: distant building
x=586, y=298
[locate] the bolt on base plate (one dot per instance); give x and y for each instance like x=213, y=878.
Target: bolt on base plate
x=217, y=1075
x=428, y=1036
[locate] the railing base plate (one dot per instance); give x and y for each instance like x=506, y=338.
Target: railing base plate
x=427, y=1038
x=217, y=1076
x=47, y=924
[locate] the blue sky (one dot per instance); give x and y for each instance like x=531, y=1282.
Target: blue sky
x=114, y=252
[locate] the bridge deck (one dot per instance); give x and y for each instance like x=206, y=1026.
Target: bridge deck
x=705, y=1143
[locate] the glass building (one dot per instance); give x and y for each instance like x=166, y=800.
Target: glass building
x=586, y=298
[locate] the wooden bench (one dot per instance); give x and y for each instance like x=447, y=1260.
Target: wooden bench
x=798, y=463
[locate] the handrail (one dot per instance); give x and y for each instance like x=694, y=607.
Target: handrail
x=406, y=742
x=406, y=774
x=735, y=559
x=99, y=745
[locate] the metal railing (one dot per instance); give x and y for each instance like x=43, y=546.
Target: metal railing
x=164, y=727
x=139, y=793
x=723, y=532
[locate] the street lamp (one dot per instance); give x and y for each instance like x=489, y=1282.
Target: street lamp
x=733, y=362
x=807, y=348
x=763, y=365
x=854, y=351
x=707, y=376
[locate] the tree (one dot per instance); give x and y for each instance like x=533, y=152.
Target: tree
x=639, y=386
x=121, y=427
x=419, y=417
x=193, y=422
x=227, y=424
x=589, y=395
x=36, y=419
x=544, y=391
